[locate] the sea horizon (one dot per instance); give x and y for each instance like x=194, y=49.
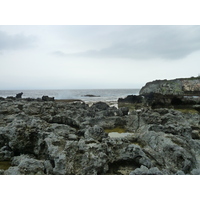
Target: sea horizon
x=88, y=95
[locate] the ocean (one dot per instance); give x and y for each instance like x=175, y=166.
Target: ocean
x=105, y=95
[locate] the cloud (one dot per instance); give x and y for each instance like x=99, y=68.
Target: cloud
x=145, y=42
x=59, y=53
x=17, y=41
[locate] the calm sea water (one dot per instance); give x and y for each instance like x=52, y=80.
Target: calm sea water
x=104, y=94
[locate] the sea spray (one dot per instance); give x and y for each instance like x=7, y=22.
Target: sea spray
x=64, y=94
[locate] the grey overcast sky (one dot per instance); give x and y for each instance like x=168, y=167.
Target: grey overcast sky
x=95, y=56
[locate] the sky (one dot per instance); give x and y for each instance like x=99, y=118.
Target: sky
x=96, y=56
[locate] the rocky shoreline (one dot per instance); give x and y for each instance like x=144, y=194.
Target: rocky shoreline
x=44, y=137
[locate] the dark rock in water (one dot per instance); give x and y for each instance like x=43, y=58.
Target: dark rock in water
x=91, y=95
x=47, y=98
x=131, y=99
x=19, y=95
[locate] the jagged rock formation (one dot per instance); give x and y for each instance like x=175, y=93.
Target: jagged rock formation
x=176, y=87
x=172, y=93
x=50, y=137
x=46, y=98
x=131, y=99
x=19, y=95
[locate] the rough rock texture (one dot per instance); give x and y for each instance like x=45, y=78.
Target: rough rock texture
x=61, y=138
x=46, y=98
x=145, y=171
x=182, y=92
x=181, y=86
x=131, y=99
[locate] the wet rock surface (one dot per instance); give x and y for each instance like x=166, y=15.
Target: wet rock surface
x=67, y=138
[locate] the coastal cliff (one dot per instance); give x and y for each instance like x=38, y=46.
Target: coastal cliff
x=176, y=87
x=177, y=93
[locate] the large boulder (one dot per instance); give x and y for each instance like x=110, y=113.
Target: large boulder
x=100, y=106
x=47, y=98
x=131, y=99
x=19, y=95
x=25, y=165
x=96, y=133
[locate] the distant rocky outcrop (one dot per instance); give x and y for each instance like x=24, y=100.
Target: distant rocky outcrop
x=91, y=95
x=177, y=93
x=176, y=87
x=182, y=92
x=47, y=98
x=19, y=95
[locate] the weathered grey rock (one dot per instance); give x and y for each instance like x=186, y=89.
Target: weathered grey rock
x=63, y=119
x=172, y=93
x=24, y=165
x=195, y=172
x=124, y=111
x=6, y=153
x=181, y=86
x=167, y=153
x=48, y=168
x=13, y=171
x=145, y=171
x=100, y=106
x=50, y=137
x=180, y=172
x=96, y=133
x=22, y=135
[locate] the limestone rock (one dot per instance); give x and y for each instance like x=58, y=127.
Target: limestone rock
x=181, y=86
x=50, y=137
x=96, y=133
x=25, y=165
x=145, y=171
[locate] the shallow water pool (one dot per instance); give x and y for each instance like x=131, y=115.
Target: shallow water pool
x=117, y=132
x=119, y=135
x=5, y=165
